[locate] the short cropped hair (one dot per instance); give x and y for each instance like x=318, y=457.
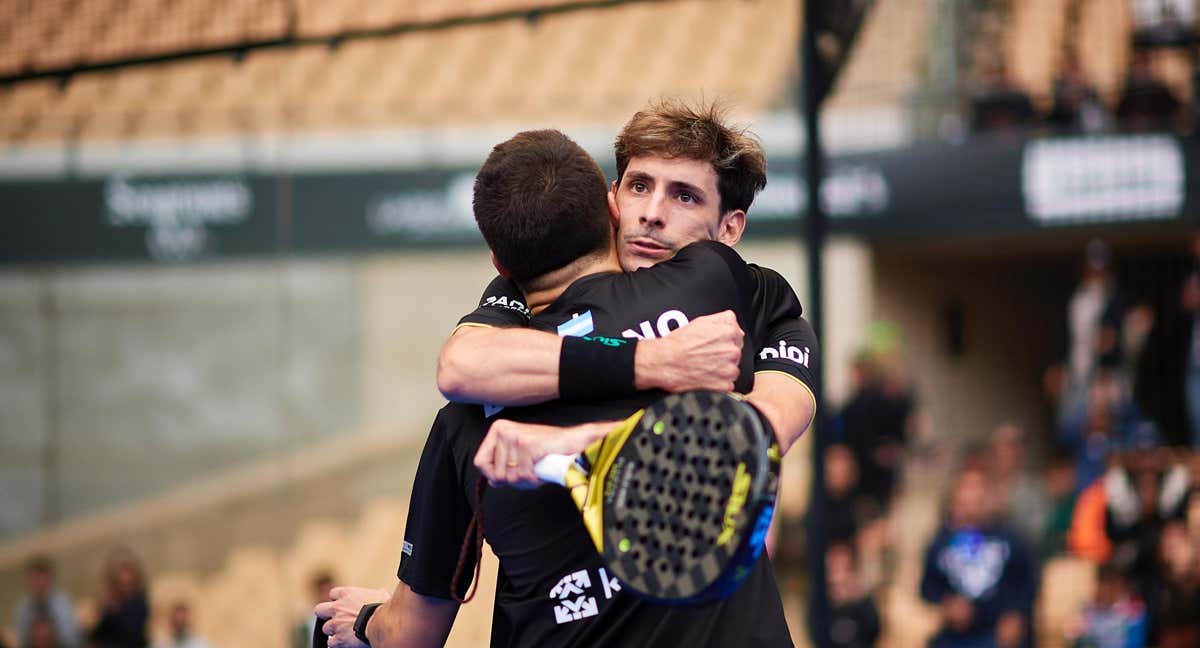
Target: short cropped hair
x=672, y=128
x=540, y=203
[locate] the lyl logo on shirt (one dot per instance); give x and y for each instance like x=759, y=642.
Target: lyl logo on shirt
x=571, y=594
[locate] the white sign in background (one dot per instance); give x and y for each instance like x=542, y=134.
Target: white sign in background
x=1102, y=179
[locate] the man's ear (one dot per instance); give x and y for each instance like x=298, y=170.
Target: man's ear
x=500, y=267
x=731, y=226
x=614, y=214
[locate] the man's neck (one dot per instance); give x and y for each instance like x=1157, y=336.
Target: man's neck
x=551, y=285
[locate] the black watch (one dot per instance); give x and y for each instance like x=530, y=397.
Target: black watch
x=360, y=624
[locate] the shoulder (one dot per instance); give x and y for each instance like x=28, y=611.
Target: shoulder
x=712, y=250
x=712, y=258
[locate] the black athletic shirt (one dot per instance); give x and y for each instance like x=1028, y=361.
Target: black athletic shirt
x=553, y=589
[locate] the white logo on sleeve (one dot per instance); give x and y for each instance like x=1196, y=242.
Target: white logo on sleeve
x=493, y=301
x=786, y=352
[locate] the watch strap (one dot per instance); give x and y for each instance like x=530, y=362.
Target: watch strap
x=360, y=623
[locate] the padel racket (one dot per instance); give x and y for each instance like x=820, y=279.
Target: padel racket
x=319, y=638
x=678, y=498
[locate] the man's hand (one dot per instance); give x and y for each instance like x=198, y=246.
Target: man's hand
x=510, y=449
x=704, y=354
x=342, y=610
x=1010, y=630
x=957, y=611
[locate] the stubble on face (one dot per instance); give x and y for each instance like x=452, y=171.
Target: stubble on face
x=664, y=204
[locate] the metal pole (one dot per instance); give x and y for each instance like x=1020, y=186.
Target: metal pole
x=815, y=226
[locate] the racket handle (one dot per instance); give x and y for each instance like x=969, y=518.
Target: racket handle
x=553, y=468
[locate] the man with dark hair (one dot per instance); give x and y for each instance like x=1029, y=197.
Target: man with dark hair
x=43, y=600
x=541, y=207
x=553, y=588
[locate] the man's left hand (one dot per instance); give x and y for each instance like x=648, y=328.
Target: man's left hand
x=341, y=611
x=511, y=449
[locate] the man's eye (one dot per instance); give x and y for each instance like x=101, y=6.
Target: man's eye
x=686, y=197
x=638, y=186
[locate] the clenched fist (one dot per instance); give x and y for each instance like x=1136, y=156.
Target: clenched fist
x=703, y=354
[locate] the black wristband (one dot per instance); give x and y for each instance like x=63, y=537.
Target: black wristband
x=595, y=368
x=360, y=623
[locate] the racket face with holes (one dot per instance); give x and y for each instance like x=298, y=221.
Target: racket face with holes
x=688, y=498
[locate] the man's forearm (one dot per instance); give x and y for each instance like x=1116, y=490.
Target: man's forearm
x=518, y=366
x=410, y=620
x=788, y=405
x=501, y=366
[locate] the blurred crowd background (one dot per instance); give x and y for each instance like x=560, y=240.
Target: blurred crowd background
x=235, y=234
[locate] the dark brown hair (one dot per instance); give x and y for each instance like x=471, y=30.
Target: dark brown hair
x=672, y=128
x=540, y=204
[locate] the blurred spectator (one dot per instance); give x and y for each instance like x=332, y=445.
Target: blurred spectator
x=1088, y=536
x=1143, y=492
x=1062, y=493
x=978, y=571
x=1077, y=107
x=1095, y=315
x=1021, y=498
x=1001, y=105
x=1189, y=302
x=43, y=600
x=853, y=618
x=1115, y=618
x=852, y=516
x=302, y=632
x=1164, y=22
x=848, y=509
x=1146, y=103
x=1176, y=604
x=125, y=609
x=1192, y=516
x=875, y=421
x=42, y=634
x=180, y=627
x=1096, y=430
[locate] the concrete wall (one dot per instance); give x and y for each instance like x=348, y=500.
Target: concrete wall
x=121, y=382
x=1011, y=307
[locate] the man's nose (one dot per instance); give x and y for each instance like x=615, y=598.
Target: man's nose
x=655, y=212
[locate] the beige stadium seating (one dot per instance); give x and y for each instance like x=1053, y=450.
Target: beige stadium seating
x=364, y=553
x=1034, y=46
x=577, y=66
x=887, y=62
x=1103, y=43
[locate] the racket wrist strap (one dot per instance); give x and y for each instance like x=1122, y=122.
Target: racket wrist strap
x=595, y=368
